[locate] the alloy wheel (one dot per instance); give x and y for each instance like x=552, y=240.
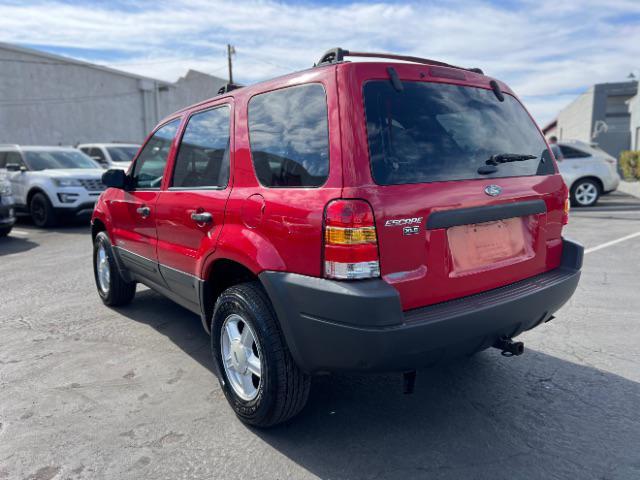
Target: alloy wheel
x=241, y=357
x=586, y=193
x=103, y=270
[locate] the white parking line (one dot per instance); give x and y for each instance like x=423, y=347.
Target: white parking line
x=22, y=233
x=612, y=242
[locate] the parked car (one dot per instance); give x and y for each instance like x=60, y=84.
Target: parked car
x=588, y=171
x=111, y=155
x=361, y=217
x=7, y=215
x=51, y=182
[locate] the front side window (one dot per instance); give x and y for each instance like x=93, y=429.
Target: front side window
x=203, y=157
x=289, y=136
x=55, y=159
x=432, y=132
x=149, y=167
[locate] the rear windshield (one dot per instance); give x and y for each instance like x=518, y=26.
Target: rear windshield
x=432, y=132
x=122, y=154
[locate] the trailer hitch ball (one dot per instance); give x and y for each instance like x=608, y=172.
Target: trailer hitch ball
x=508, y=347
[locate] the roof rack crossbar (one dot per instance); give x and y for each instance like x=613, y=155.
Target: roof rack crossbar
x=336, y=55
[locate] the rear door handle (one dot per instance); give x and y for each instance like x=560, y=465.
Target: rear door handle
x=202, y=217
x=144, y=211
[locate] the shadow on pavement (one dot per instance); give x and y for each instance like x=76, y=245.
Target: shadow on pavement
x=13, y=244
x=534, y=416
x=63, y=227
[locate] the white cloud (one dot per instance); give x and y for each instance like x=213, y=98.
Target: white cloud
x=546, y=50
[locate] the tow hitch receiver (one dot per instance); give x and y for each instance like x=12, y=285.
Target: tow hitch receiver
x=408, y=382
x=509, y=347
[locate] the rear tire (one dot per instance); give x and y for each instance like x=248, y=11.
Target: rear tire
x=585, y=193
x=114, y=290
x=42, y=212
x=281, y=389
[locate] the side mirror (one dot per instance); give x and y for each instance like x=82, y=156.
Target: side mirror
x=115, y=178
x=15, y=167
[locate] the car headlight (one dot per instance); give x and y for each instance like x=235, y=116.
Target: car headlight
x=67, y=182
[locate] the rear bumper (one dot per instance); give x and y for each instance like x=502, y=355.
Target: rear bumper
x=359, y=326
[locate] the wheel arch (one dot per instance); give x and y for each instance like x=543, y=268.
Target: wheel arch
x=222, y=274
x=32, y=191
x=588, y=177
x=97, y=226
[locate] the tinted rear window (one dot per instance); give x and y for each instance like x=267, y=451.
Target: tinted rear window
x=436, y=132
x=289, y=136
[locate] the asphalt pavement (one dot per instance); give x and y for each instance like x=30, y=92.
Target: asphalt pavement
x=88, y=392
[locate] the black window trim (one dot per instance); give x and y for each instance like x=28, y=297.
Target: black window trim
x=180, y=118
x=582, y=153
x=326, y=99
x=373, y=179
x=226, y=103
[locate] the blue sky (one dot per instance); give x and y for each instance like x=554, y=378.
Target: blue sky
x=548, y=51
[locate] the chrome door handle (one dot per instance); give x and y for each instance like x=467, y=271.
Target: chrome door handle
x=144, y=211
x=202, y=217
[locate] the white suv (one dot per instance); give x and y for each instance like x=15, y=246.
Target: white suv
x=111, y=155
x=51, y=182
x=588, y=171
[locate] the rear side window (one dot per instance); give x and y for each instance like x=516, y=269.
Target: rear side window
x=435, y=132
x=149, y=168
x=568, y=152
x=203, y=158
x=289, y=136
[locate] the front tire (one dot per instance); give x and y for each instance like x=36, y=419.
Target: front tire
x=585, y=193
x=42, y=212
x=114, y=290
x=257, y=374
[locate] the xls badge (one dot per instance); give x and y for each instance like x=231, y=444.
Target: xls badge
x=410, y=226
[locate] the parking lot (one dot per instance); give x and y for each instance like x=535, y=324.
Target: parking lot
x=90, y=392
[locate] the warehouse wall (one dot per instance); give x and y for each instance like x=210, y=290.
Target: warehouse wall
x=576, y=119
x=51, y=100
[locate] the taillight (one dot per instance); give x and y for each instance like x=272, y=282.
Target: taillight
x=350, y=241
x=565, y=210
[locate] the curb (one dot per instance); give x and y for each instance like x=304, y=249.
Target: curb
x=630, y=188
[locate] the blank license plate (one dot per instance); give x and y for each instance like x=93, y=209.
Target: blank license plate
x=478, y=245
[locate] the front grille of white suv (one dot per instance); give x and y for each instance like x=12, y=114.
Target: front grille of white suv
x=92, y=185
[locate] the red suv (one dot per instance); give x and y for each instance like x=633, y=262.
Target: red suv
x=368, y=216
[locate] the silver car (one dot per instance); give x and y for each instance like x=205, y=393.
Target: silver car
x=588, y=171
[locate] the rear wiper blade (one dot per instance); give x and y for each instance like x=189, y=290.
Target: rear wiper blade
x=508, y=157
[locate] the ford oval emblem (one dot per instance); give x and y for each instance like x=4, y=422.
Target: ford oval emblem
x=493, y=190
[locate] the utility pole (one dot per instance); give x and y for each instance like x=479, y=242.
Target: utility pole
x=230, y=51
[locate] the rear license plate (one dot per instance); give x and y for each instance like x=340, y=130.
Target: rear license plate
x=479, y=245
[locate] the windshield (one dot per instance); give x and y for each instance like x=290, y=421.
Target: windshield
x=122, y=154
x=432, y=132
x=53, y=159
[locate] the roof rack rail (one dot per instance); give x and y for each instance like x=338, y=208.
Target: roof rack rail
x=228, y=87
x=336, y=55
